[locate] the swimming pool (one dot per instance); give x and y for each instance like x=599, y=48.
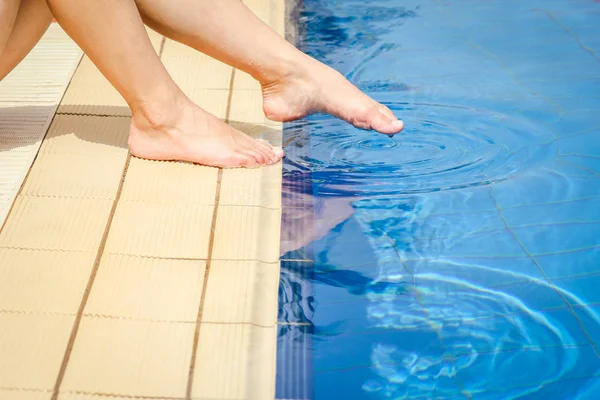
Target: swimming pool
x=461, y=258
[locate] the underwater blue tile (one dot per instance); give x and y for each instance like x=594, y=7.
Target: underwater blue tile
x=457, y=224
x=589, y=316
x=579, y=116
x=480, y=272
x=574, y=211
x=535, y=295
x=360, y=349
x=570, y=264
x=549, y=330
x=580, y=290
x=369, y=313
x=392, y=372
x=580, y=88
x=367, y=384
x=551, y=239
x=495, y=244
x=589, y=163
x=587, y=143
x=584, y=388
x=519, y=374
x=544, y=186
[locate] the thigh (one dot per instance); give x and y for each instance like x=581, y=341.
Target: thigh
x=8, y=15
x=32, y=20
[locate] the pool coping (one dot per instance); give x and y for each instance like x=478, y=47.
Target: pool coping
x=162, y=287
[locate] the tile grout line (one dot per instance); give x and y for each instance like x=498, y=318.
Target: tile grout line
x=190, y=382
x=88, y=289
x=549, y=280
x=20, y=192
x=90, y=284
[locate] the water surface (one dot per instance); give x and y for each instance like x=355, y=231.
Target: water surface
x=461, y=258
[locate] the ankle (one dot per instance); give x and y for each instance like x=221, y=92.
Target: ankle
x=159, y=114
x=283, y=69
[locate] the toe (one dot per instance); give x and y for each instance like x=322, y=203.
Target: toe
x=259, y=158
x=266, y=151
x=383, y=124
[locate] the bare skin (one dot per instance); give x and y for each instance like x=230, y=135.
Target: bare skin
x=27, y=27
x=166, y=125
x=293, y=84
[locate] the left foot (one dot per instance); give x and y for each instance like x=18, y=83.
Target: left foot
x=310, y=86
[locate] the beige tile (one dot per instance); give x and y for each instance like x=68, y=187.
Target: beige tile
x=42, y=280
x=19, y=394
x=83, y=134
x=252, y=187
x=170, y=182
x=198, y=72
x=247, y=233
x=32, y=348
x=244, y=81
x=81, y=396
x=235, y=362
x=130, y=358
x=271, y=12
x=94, y=175
x=214, y=101
x=155, y=39
x=56, y=223
x=91, y=93
x=160, y=230
x=29, y=95
x=242, y=292
x=146, y=288
x=246, y=106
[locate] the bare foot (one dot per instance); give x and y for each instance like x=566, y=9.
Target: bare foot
x=310, y=86
x=188, y=133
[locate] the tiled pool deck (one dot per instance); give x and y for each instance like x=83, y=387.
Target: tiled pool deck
x=127, y=278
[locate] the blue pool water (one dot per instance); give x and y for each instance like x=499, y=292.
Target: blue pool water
x=461, y=258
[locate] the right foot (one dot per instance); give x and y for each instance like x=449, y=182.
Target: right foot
x=191, y=134
x=307, y=86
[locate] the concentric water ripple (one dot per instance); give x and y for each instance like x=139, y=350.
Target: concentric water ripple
x=486, y=334
x=442, y=147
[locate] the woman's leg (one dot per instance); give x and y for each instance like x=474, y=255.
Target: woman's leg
x=166, y=125
x=293, y=83
x=32, y=20
x=8, y=15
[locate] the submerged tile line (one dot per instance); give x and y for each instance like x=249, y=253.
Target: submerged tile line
x=548, y=280
x=501, y=64
x=563, y=27
x=458, y=355
x=90, y=284
x=419, y=300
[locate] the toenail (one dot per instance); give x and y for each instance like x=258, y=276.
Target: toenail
x=398, y=123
